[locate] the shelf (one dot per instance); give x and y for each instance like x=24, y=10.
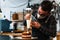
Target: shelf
x=17, y=20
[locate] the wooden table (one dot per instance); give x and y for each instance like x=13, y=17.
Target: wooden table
x=12, y=34
x=19, y=36
x=58, y=36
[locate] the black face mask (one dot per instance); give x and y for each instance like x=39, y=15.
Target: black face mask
x=41, y=16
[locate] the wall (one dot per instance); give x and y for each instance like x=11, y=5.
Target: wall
x=0, y=3
x=8, y=7
x=11, y=6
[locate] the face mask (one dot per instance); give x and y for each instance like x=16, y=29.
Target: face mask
x=40, y=16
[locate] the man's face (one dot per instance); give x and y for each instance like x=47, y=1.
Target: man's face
x=42, y=13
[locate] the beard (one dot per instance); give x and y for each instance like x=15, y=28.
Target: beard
x=41, y=16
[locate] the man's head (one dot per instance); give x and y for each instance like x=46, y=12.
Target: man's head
x=45, y=8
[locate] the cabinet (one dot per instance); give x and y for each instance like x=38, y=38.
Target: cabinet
x=18, y=25
x=18, y=18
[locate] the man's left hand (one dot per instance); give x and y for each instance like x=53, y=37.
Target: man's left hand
x=35, y=24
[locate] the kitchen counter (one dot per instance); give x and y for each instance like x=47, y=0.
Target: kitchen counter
x=20, y=36
x=58, y=36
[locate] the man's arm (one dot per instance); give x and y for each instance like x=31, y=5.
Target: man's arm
x=51, y=31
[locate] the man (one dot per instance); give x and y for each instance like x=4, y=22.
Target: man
x=44, y=25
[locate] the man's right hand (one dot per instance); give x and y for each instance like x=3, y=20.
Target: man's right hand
x=27, y=16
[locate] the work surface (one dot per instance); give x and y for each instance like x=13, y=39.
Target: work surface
x=19, y=36
x=16, y=36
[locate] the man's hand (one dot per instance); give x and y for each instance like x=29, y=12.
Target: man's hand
x=27, y=16
x=35, y=24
